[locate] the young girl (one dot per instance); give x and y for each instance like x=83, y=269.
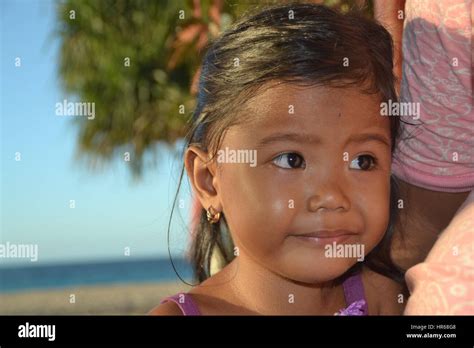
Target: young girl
x=290, y=159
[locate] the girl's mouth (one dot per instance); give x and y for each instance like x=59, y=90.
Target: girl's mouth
x=325, y=237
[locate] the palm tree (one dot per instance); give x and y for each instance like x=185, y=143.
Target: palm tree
x=116, y=54
x=138, y=61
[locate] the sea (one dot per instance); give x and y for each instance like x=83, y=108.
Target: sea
x=15, y=279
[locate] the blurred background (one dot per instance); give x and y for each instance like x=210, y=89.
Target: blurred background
x=95, y=96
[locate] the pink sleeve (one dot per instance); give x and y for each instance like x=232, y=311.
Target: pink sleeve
x=444, y=283
x=437, y=153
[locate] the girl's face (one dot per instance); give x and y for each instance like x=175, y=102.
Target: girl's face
x=322, y=166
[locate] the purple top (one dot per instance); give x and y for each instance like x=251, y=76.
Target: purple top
x=353, y=293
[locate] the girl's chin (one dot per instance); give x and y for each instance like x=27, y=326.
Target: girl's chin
x=322, y=272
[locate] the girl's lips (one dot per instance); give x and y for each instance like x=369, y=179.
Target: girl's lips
x=325, y=237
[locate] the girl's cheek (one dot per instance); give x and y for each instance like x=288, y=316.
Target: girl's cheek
x=374, y=205
x=258, y=211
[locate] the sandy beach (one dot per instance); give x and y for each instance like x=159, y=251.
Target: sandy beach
x=135, y=299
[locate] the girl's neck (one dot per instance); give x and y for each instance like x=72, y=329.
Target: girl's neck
x=262, y=291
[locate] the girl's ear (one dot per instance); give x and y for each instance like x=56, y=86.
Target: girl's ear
x=201, y=173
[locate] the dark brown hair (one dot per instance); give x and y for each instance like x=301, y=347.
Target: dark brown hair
x=301, y=44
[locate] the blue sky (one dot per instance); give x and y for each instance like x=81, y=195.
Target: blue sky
x=111, y=211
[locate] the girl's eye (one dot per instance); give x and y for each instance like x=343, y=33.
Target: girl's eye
x=363, y=162
x=289, y=160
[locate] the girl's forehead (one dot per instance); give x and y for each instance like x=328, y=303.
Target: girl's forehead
x=322, y=106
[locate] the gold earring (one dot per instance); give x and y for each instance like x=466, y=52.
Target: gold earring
x=212, y=215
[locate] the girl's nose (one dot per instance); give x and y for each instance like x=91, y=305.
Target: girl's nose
x=329, y=197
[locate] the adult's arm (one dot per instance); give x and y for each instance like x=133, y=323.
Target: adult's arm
x=435, y=158
x=444, y=283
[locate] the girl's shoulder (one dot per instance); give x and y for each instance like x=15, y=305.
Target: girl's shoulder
x=211, y=297
x=190, y=303
x=203, y=304
x=167, y=308
x=215, y=296
x=193, y=302
x=385, y=296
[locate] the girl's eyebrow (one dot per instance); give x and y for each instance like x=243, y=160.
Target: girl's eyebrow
x=365, y=137
x=294, y=137
x=311, y=139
